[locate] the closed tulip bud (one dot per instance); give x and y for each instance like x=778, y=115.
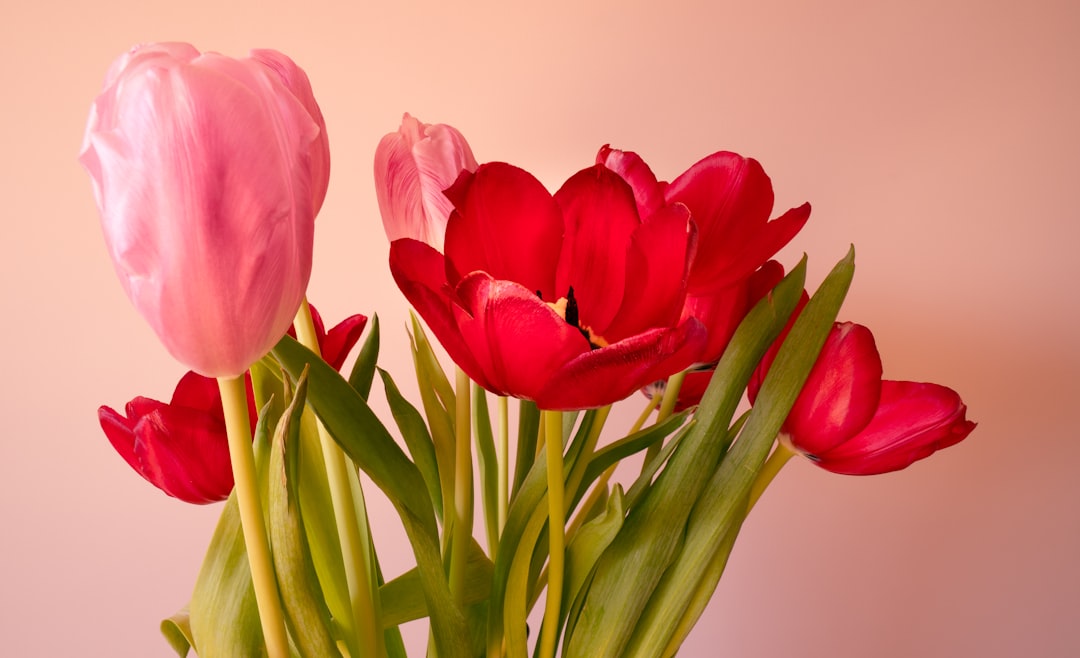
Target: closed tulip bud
x=208, y=172
x=412, y=168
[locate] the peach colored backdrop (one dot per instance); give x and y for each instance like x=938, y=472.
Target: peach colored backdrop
x=940, y=136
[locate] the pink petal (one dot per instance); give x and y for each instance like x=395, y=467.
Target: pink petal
x=612, y=373
x=600, y=217
x=913, y=421
x=505, y=224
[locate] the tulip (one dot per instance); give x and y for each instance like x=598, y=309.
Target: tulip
x=570, y=301
x=412, y=168
x=848, y=420
x=208, y=172
x=730, y=199
x=181, y=447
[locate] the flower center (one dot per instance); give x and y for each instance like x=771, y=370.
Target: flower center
x=567, y=308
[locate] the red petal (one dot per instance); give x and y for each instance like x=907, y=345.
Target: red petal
x=197, y=392
x=648, y=193
x=505, y=224
x=841, y=393
x=600, y=216
x=185, y=454
x=341, y=339
x=120, y=432
x=612, y=373
x=657, y=264
x=913, y=421
x=420, y=273
x=730, y=198
x=518, y=340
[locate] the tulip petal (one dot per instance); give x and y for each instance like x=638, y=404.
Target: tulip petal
x=497, y=206
x=600, y=216
x=730, y=197
x=185, y=453
x=517, y=339
x=341, y=339
x=657, y=263
x=420, y=273
x=913, y=421
x=648, y=193
x=612, y=373
x=121, y=434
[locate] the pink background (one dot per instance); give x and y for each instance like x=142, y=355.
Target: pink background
x=941, y=137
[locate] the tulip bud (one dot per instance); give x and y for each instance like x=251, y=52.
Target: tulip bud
x=207, y=172
x=412, y=168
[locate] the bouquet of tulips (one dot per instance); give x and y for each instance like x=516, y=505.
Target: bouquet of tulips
x=209, y=172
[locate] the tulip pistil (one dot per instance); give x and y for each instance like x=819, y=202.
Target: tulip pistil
x=567, y=308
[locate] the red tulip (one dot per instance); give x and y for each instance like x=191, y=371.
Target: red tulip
x=208, y=172
x=412, y=168
x=181, y=447
x=847, y=420
x=730, y=199
x=571, y=301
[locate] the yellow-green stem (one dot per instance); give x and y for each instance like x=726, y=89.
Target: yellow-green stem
x=463, y=488
x=556, y=551
x=503, y=458
x=780, y=456
x=644, y=416
x=667, y=405
x=356, y=549
x=238, y=427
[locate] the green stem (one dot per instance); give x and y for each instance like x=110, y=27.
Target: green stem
x=780, y=456
x=356, y=549
x=503, y=448
x=556, y=551
x=667, y=405
x=463, y=489
x=238, y=427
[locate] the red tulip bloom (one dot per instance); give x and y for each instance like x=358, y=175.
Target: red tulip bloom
x=847, y=420
x=182, y=447
x=571, y=301
x=730, y=199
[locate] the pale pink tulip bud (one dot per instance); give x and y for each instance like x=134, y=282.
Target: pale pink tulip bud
x=412, y=168
x=207, y=172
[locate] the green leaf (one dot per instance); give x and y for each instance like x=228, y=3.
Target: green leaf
x=306, y=613
x=429, y=377
x=403, y=597
x=528, y=432
x=631, y=567
x=589, y=542
x=177, y=632
x=721, y=506
x=416, y=436
x=363, y=371
x=367, y=442
x=427, y=360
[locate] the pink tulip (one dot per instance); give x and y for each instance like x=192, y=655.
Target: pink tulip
x=412, y=168
x=847, y=420
x=208, y=172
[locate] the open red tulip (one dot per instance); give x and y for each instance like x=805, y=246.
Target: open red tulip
x=571, y=301
x=848, y=420
x=182, y=447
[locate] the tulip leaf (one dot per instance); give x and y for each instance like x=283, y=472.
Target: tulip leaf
x=487, y=464
x=589, y=542
x=366, y=441
x=416, y=436
x=177, y=632
x=440, y=417
x=633, y=564
x=528, y=433
x=436, y=376
x=306, y=613
x=403, y=597
x=721, y=507
x=363, y=371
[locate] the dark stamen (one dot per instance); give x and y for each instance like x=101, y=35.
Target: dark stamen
x=539, y=294
x=571, y=308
